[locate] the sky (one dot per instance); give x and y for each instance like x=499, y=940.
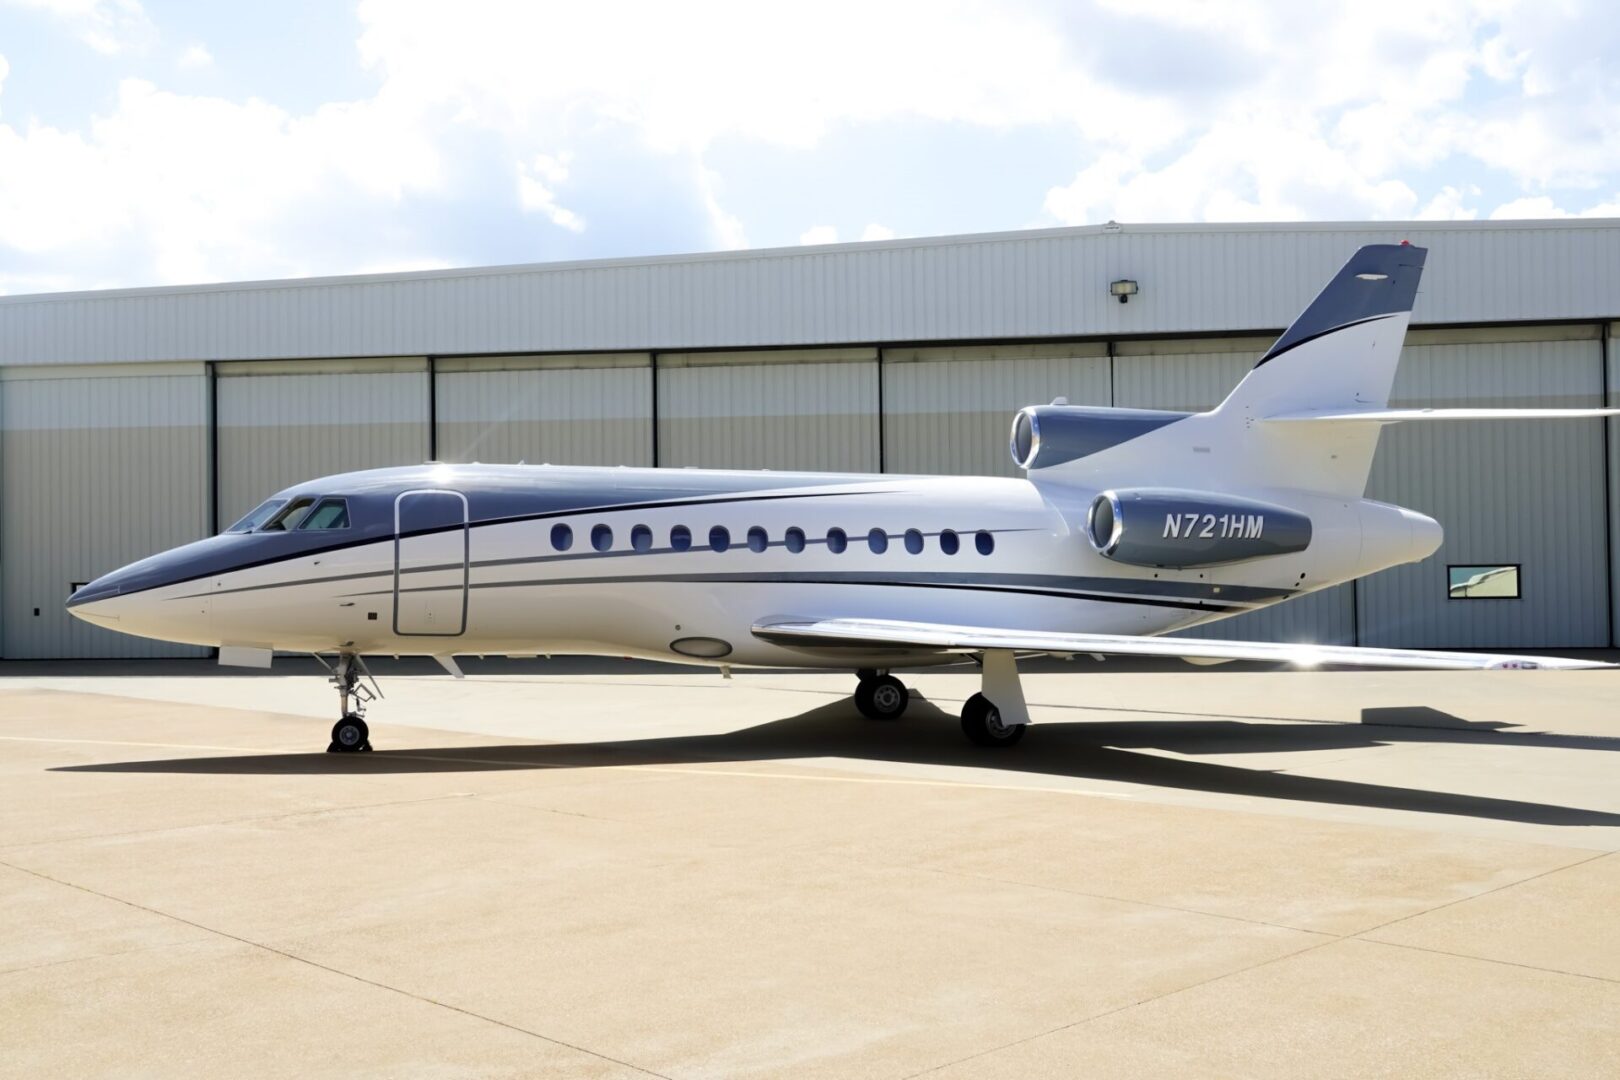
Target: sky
x=153, y=142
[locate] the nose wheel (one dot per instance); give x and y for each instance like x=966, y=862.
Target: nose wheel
x=350, y=735
x=881, y=697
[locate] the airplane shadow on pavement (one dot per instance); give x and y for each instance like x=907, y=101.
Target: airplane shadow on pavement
x=1095, y=750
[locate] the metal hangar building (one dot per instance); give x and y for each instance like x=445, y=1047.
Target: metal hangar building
x=133, y=420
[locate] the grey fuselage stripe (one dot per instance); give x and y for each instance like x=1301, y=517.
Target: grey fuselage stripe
x=1011, y=583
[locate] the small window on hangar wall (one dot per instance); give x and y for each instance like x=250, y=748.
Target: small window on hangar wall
x=1496, y=582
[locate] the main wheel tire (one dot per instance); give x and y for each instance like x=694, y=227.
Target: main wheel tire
x=350, y=735
x=981, y=723
x=882, y=698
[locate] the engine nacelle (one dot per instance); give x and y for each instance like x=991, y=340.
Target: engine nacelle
x=1175, y=528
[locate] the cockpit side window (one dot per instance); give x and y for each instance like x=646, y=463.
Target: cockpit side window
x=258, y=516
x=329, y=513
x=288, y=516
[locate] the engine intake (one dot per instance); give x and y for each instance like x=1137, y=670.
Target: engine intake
x=1173, y=528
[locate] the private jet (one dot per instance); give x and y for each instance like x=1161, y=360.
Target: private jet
x=1127, y=525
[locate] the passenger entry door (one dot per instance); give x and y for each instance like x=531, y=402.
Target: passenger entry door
x=430, y=563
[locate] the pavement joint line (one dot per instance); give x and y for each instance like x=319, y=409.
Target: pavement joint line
x=151, y=745
x=1120, y=900
x=337, y=971
x=96, y=956
x=228, y=822
x=1484, y=959
x=1127, y=1006
x=1332, y=940
x=1487, y=892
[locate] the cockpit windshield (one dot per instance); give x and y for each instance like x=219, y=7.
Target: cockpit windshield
x=258, y=516
x=288, y=516
x=305, y=514
x=329, y=513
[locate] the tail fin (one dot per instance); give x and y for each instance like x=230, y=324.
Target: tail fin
x=1340, y=354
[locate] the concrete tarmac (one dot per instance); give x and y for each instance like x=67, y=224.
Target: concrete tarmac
x=589, y=869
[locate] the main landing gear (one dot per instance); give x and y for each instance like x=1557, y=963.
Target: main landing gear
x=880, y=696
x=350, y=734
x=996, y=716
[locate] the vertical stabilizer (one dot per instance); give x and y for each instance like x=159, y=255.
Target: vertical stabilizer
x=1340, y=354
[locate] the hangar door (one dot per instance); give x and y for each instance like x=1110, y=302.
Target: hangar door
x=785, y=409
x=565, y=410
x=1522, y=494
x=284, y=422
x=1193, y=375
x=96, y=471
x=949, y=410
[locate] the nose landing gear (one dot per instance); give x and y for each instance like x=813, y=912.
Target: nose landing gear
x=350, y=734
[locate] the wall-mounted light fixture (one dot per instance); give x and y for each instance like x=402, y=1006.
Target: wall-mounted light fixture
x=1124, y=289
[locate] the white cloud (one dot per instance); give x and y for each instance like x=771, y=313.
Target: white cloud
x=726, y=228
x=1447, y=205
x=196, y=56
x=107, y=26
x=1347, y=102
x=1177, y=110
x=201, y=186
x=1542, y=206
x=536, y=197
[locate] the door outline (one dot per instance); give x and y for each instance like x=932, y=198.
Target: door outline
x=466, y=561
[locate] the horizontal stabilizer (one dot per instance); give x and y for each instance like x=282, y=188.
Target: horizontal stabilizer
x=819, y=634
x=1396, y=416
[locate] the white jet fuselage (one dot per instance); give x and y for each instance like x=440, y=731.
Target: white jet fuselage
x=591, y=561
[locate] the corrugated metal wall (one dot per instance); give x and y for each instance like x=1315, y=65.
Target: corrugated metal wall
x=1049, y=283
x=949, y=410
x=1523, y=491
x=561, y=410
x=1609, y=344
x=801, y=409
x=96, y=471
x=282, y=423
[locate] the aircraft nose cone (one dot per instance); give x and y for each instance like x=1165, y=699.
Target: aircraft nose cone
x=157, y=597
x=103, y=588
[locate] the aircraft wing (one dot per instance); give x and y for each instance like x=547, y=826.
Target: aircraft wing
x=824, y=634
x=1396, y=416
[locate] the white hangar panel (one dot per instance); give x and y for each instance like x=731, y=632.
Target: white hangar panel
x=561, y=410
x=283, y=423
x=1194, y=375
x=949, y=410
x=786, y=409
x=1524, y=492
x=97, y=471
x=1035, y=284
x=1184, y=375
